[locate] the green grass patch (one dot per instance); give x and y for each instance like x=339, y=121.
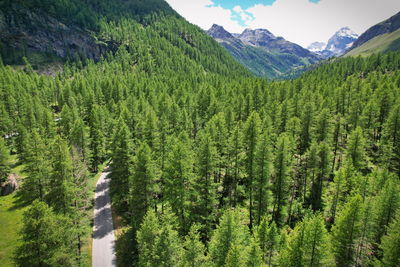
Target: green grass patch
x=11, y=212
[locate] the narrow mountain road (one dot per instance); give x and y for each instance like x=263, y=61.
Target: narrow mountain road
x=103, y=250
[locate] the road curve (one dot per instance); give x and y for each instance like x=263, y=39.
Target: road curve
x=103, y=250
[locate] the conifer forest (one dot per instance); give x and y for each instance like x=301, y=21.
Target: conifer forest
x=207, y=164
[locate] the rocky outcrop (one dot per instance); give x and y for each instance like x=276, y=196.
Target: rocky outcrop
x=32, y=30
x=10, y=185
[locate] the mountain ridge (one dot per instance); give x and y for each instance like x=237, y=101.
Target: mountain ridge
x=262, y=52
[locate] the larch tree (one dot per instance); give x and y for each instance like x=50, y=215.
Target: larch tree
x=282, y=169
x=142, y=187
x=263, y=170
x=121, y=165
x=204, y=197
x=158, y=240
x=60, y=195
x=230, y=232
x=4, y=161
x=178, y=177
x=267, y=236
x=345, y=232
x=38, y=167
x=42, y=237
x=252, y=130
x=387, y=203
x=194, y=251
x=390, y=245
x=356, y=149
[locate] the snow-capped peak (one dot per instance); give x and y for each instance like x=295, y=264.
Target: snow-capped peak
x=346, y=32
x=316, y=46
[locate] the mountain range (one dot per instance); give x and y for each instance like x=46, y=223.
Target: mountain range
x=265, y=54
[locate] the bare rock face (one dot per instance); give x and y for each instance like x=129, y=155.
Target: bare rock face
x=23, y=29
x=10, y=185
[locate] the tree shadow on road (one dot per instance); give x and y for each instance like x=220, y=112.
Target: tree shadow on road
x=105, y=227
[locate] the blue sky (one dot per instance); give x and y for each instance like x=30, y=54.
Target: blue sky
x=299, y=21
x=245, y=4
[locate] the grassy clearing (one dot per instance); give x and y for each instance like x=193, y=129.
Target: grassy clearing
x=11, y=212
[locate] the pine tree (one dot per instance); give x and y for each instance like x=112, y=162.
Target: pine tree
x=194, y=252
x=37, y=166
x=251, y=138
x=282, y=166
x=42, y=237
x=386, y=205
x=262, y=177
x=4, y=161
x=158, y=240
x=204, y=195
x=322, y=176
x=142, y=185
x=356, y=149
x=79, y=138
x=268, y=237
x=78, y=216
x=390, y=245
x=308, y=244
x=317, y=244
x=345, y=232
x=60, y=195
x=230, y=232
x=97, y=137
x=235, y=144
x=178, y=177
x=254, y=255
x=235, y=257
x=121, y=165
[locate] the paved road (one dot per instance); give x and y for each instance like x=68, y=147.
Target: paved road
x=103, y=250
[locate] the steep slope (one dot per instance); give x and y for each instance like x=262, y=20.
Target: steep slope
x=380, y=44
x=264, y=54
x=388, y=26
x=58, y=30
x=381, y=38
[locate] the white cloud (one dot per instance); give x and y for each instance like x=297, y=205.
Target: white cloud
x=299, y=21
x=204, y=14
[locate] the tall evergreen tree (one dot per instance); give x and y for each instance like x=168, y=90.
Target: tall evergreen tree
x=158, y=240
x=204, y=195
x=229, y=233
x=345, y=232
x=42, y=235
x=60, y=195
x=179, y=177
x=194, y=251
x=251, y=138
x=390, y=245
x=37, y=166
x=282, y=168
x=262, y=178
x=121, y=165
x=356, y=149
x=4, y=161
x=142, y=185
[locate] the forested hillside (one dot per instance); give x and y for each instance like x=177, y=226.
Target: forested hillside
x=209, y=166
